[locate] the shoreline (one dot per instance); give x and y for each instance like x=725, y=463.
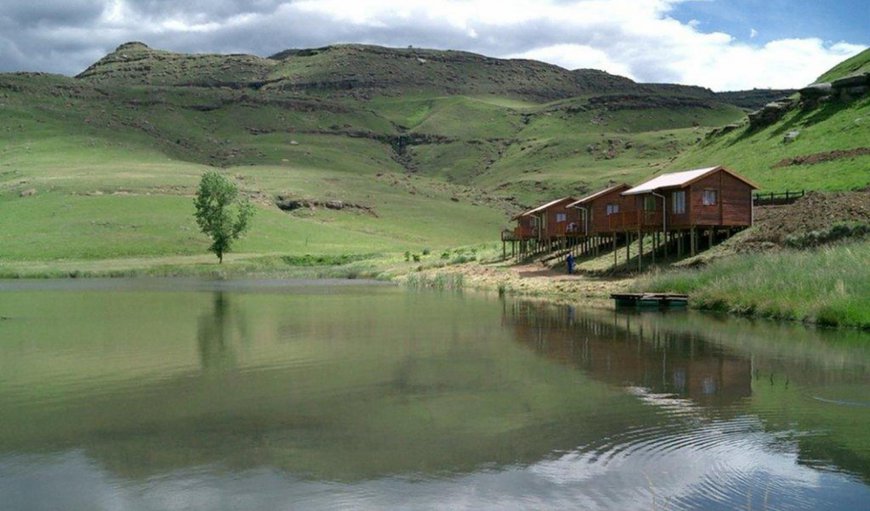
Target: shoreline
x=525, y=280
x=816, y=286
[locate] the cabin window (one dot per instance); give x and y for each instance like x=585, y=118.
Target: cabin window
x=679, y=202
x=612, y=209
x=649, y=203
x=561, y=217
x=709, y=198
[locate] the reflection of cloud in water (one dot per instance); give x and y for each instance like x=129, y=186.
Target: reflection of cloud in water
x=721, y=465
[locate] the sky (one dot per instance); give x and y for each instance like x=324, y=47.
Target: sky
x=720, y=44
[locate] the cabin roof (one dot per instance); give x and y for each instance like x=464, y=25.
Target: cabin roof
x=590, y=198
x=545, y=206
x=680, y=180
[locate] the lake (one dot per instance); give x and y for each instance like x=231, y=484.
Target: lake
x=264, y=395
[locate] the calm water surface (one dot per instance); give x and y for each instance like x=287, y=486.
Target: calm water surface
x=176, y=395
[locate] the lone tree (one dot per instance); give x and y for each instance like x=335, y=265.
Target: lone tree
x=221, y=213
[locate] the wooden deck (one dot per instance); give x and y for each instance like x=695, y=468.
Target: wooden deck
x=659, y=300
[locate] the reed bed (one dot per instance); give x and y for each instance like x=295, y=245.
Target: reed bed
x=827, y=286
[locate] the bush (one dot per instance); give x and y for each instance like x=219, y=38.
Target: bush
x=837, y=232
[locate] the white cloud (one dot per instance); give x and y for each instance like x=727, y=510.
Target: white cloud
x=576, y=56
x=753, y=33
x=634, y=38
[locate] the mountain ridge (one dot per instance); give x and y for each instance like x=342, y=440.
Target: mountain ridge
x=365, y=71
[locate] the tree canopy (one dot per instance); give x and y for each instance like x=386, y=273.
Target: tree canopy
x=221, y=212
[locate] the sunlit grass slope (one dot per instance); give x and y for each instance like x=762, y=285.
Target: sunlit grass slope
x=835, y=126
x=808, y=132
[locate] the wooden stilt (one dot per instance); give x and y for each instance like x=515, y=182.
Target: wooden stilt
x=666, y=245
x=639, y=250
x=614, y=251
x=679, y=239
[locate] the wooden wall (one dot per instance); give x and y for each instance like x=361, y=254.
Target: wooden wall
x=733, y=206
x=598, y=218
x=554, y=228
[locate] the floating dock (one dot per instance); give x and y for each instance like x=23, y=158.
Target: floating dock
x=650, y=300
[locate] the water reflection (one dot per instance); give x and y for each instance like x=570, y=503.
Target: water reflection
x=620, y=351
x=419, y=400
x=215, y=334
x=778, y=373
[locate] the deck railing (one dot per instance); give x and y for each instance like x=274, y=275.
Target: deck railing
x=777, y=198
x=626, y=220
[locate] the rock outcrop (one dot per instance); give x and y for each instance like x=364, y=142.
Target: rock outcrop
x=771, y=113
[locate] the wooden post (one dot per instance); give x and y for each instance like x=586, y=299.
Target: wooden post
x=666, y=244
x=639, y=250
x=692, y=237
x=680, y=239
x=503, y=250
x=614, y=251
x=710, y=239
x=627, y=247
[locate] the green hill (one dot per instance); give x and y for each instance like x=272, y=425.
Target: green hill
x=858, y=64
x=814, y=140
x=390, y=149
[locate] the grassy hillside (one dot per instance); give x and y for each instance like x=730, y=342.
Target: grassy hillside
x=829, y=151
x=858, y=64
x=816, y=145
x=427, y=149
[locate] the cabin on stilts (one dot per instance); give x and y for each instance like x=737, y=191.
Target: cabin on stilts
x=545, y=228
x=689, y=210
x=677, y=214
x=595, y=211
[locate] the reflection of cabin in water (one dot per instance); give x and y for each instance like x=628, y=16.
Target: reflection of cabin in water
x=628, y=352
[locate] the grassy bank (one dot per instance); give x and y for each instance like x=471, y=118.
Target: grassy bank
x=827, y=286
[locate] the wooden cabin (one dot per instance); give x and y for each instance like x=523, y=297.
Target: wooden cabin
x=595, y=210
x=550, y=221
x=703, y=198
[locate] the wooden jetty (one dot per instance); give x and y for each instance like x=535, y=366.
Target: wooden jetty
x=653, y=300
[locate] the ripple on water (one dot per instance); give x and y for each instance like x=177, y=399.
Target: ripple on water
x=694, y=463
